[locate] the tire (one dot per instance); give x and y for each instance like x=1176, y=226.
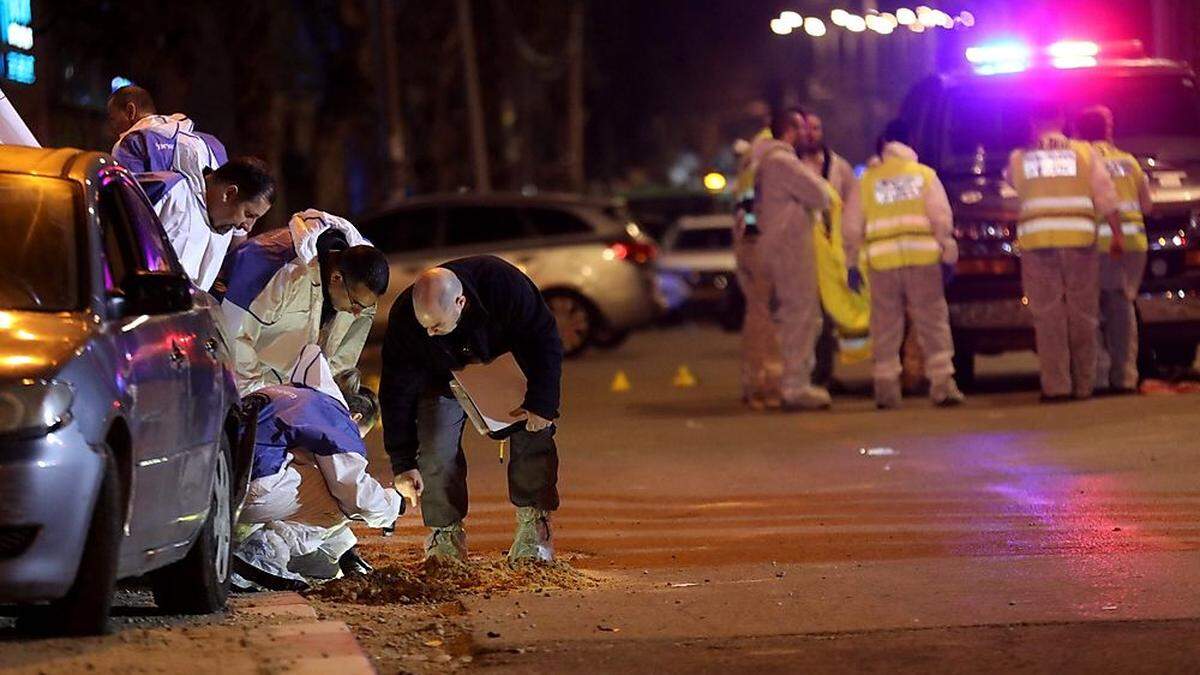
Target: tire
x=199, y=584
x=85, y=608
x=609, y=338
x=577, y=321
x=964, y=367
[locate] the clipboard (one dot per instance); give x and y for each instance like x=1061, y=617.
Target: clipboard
x=488, y=392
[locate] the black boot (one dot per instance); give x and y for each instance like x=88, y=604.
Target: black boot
x=352, y=563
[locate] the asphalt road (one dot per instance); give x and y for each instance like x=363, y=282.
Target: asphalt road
x=1004, y=535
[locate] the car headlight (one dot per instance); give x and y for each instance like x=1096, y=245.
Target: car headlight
x=34, y=407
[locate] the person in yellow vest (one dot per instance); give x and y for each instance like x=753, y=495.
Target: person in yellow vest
x=901, y=214
x=1064, y=189
x=1120, y=277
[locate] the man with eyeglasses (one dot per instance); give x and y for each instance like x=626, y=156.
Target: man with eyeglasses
x=315, y=282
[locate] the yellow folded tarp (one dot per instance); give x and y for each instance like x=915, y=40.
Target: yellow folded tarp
x=850, y=311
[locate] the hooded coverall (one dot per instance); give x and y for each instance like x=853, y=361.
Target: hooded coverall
x=184, y=216
x=275, y=303
x=786, y=192
x=170, y=143
x=1120, y=278
x=762, y=365
x=902, y=214
x=1063, y=190
x=840, y=174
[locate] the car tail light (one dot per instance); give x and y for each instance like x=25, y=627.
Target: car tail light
x=639, y=252
x=986, y=267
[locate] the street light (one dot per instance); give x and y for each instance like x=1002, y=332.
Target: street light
x=905, y=16
x=839, y=16
x=780, y=27
x=855, y=23
x=792, y=19
x=814, y=26
x=714, y=182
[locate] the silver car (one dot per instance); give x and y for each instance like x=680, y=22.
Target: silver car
x=593, y=266
x=118, y=413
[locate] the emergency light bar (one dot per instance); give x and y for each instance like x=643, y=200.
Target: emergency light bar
x=1013, y=57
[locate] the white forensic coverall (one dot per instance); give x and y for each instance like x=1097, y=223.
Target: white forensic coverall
x=273, y=300
x=170, y=143
x=309, y=477
x=184, y=216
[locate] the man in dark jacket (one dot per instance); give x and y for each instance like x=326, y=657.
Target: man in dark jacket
x=469, y=311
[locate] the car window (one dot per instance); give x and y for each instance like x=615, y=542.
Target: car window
x=708, y=239
x=404, y=230
x=40, y=268
x=154, y=253
x=468, y=225
x=555, y=222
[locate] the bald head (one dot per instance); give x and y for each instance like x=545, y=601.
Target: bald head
x=126, y=106
x=438, y=300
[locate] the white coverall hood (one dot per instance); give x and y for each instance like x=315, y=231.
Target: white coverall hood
x=167, y=125
x=307, y=226
x=312, y=370
x=899, y=150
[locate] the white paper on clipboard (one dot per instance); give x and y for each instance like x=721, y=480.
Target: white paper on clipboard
x=489, y=392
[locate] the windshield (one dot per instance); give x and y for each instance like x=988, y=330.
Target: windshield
x=986, y=119
x=39, y=260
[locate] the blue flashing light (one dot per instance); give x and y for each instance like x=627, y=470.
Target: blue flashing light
x=118, y=82
x=20, y=68
x=1000, y=57
x=16, y=11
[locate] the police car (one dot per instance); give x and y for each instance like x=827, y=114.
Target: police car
x=966, y=123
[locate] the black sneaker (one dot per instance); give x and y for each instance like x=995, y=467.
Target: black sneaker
x=352, y=563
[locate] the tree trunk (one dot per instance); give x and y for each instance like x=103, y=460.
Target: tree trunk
x=479, y=155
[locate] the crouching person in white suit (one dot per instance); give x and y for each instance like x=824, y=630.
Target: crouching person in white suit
x=310, y=480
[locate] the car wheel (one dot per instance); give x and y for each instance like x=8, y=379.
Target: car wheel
x=84, y=609
x=576, y=320
x=199, y=584
x=964, y=367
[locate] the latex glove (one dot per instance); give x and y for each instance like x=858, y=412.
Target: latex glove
x=854, y=279
x=410, y=486
x=947, y=273
x=533, y=422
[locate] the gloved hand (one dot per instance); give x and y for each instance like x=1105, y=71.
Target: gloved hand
x=410, y=486
x=947, y=273
x=854, y=279
x=533, y=422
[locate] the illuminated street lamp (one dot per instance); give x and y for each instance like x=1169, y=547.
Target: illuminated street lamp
x=905, y=16
x=792, y=19
x=814, y=26
x=780, y=27
x=855, y=23
x=838, y=17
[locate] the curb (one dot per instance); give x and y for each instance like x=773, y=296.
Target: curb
x=308, y=646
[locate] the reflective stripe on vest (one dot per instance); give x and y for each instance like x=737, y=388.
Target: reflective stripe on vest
x=898, y=232
x=1054, y=184
x=1126, y=173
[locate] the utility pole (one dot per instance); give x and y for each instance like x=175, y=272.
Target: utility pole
x=576, y=118
x=397, y=154
x=479, y=156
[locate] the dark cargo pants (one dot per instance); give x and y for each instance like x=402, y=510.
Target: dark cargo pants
x=532, y=465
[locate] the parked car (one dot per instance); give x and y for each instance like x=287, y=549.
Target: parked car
x=966, y=123
x=118, y=413
x=697, y=272
x=593, y=265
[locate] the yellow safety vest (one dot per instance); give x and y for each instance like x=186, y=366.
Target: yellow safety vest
x=899, y=233
x=1127, y=176
x=1055, y=188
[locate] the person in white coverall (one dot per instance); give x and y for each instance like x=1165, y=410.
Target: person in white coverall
x=786, y=193
x=902, y=216
x=1120, y=276
x=201, y=226
x=317, y=281
x=309, y=477
x=147, y=141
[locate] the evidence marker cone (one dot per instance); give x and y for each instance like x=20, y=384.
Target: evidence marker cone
x=684, y=378
x=621, y=383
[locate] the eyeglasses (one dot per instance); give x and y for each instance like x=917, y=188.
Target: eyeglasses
x=355, y=304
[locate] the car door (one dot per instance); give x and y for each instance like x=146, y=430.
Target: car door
x=194, y=345
x=153, y=371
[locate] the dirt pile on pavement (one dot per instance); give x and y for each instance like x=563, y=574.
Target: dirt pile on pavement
x=420, y=582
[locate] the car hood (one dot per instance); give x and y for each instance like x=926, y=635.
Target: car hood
x=982, y=197
x=36, y=344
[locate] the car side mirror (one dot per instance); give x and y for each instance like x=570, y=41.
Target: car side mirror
x=152, y=293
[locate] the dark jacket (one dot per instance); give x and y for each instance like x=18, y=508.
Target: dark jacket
x=504, y=313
